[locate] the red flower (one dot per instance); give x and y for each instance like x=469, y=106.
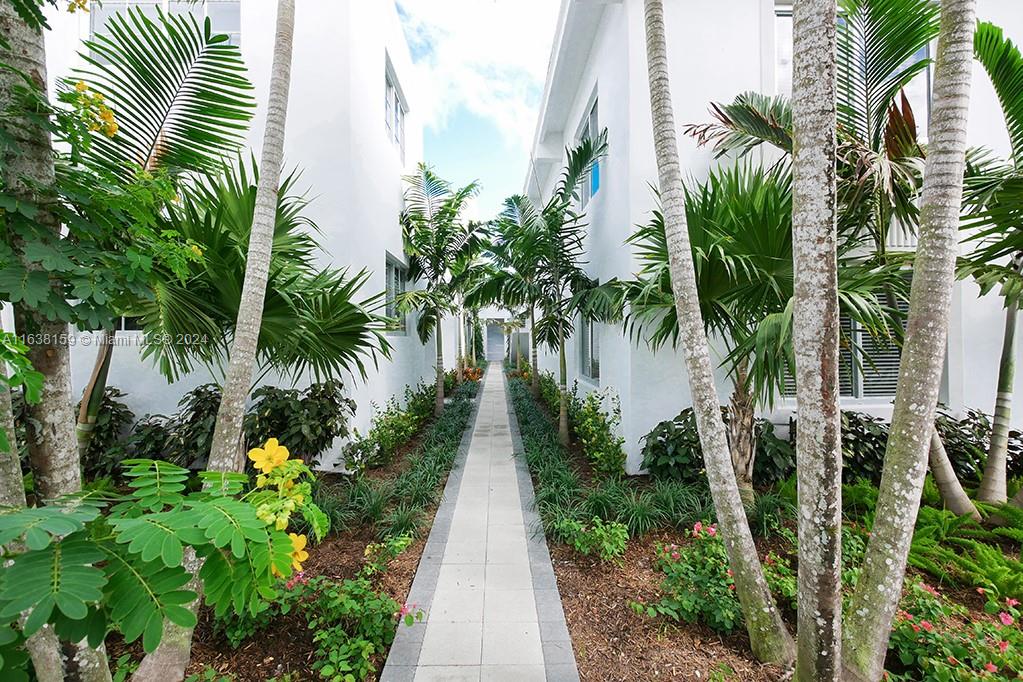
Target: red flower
x=732, y=586
x=1010, y=602
x=906, y=615
x=712, y=531
x=916, y=628
x=929, y=589
x=1005, y=618
x=991, y=667
x=1003, y=646
x=697, y=528
x=981, y=591
x=926, y=625
x=675, y=556
x=952, y=660
x=729, y=571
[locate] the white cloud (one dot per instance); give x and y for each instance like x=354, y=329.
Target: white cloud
x=489, y=56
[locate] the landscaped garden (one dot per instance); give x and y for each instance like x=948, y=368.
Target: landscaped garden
x=211, y=545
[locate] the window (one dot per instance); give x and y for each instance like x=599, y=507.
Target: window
x=394, y=110
x=396, y=275
x=589, y=130
x=868, y=369
x=224, y=15
x=917, y=91
x=589, y=350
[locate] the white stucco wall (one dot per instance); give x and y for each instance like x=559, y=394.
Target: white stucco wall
x=350, y=167
x=716, y=50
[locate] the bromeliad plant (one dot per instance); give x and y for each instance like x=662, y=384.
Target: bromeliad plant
x=93, y=563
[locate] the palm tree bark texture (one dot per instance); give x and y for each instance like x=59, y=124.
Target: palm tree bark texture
x=28, y=163
x=170, y=659
x=815, y=336
x=877, y=593
x=769, y=639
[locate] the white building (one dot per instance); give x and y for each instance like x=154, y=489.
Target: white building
x=353, y=130
x=597, y=79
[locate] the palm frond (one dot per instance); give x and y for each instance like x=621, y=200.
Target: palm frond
x=179, y=93
x=751, y=120
x=1003, y=62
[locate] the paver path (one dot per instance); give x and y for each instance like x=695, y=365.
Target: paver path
x=485, y=580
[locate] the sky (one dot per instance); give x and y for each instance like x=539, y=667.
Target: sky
x=481, y=67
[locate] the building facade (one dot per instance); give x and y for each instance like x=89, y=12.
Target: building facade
x=353, y=130
x=597, y=79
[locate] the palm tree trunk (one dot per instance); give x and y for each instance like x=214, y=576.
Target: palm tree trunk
x=952, y=493
x=879, y=588
x=438, y=403
x=534, y=377
x=993, y=484
x=741, y=419
x=226, y=453
x=815, y=336
x=768, y=637
x=563, y=436
x=170, y=659
x=460, y=351
x=28, y=164
x=92, y=396
x=43, y=647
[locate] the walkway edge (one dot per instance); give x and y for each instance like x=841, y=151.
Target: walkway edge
x=558, y=655
x=404, y=653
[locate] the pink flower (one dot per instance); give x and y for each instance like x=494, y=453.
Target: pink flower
x=953, y=660
x=981, y=591
x=712, y=531
x=732, y=586
x=1003, y=646
x=926, y=625
x=916, y=628
x=1005, y=618
x=675, y=556
x=929, y=589
x=729, y=572
x=991, y=667
x=697, y=528
x=906, y=614
x=1010, y=602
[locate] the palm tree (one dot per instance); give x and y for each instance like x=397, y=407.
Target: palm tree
x=768, y=636
x=226, y=452
x=438, y=243
x=815, y=337
x=879, y=586
x=183, y=105
x=553, y=239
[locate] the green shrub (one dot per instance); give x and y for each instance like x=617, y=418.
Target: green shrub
x=306, y=422
x=672, y=450
x=597, y=432
x=549, y=391
x=607, y=540
x=935, y=640
x=697, y=586
x=775, y=457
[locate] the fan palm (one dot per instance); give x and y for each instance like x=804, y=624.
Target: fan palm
x=740, y=230
x=438, y=243
x=182, y=103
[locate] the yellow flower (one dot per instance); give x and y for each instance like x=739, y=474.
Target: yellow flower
x=270, y=456
x=298, y=553
x=107, y=114
x=80, y=86
x=110, y=129
x=282, y=523
x=195, y=248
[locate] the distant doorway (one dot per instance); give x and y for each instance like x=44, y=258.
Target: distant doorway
x=495, y=343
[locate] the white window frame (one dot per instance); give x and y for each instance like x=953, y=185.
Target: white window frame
x=201, y=9
x=395, y=282
x=395, y=108
x=589, y=350
x=589, y=129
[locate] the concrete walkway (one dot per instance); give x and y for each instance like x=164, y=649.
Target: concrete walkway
x=485, y=580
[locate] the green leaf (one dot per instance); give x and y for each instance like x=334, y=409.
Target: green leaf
x=39, y=526
x=61, y=575
x=155, y=484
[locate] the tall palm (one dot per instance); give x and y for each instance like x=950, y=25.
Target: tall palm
x=183, y=105
x=879, y=587
x=555, y=240
x=437, y=240
x=1001, y=237
x=513, y=277
x=815, y=337
x=768, y=636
